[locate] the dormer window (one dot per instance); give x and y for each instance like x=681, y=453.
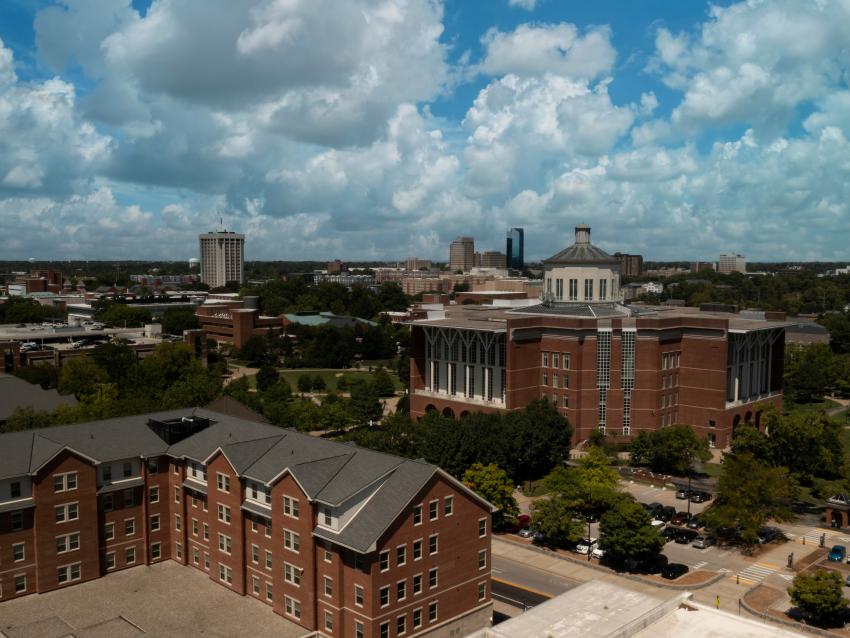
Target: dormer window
x=15, y=489
x=327, y=518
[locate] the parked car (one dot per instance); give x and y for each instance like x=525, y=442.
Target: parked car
x=683, y=493
x=586, y=545
x=647, y=566
x=702, y=542
x=673, y=571
x=767, y=534
x=669, y=533
x=681, y=518
x=700, y=497
x=655, y=507
x=667, y=513
x=696, y=522
x=837, y=554
x=597, y=552
x=525, y=533
x=847, y=580
x=685, y=536
x=522, y=521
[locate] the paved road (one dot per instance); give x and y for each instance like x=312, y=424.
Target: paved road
x=520, y=585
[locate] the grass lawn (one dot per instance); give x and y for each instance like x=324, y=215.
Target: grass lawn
x=330, y=377
x=807, y=408
x=714, y=470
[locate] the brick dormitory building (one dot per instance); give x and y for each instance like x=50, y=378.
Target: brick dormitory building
x=341, y=540
x=606, y=365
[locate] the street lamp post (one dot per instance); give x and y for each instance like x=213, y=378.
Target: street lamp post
x=589, y=545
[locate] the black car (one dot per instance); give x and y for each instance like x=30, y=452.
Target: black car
x=700, y=497
x=654, y=507
x=667, y=513
x=669, y=533
x=695, y=522
x=685, y=536
x=672, y=571
x=651, y=565
x=681, y=518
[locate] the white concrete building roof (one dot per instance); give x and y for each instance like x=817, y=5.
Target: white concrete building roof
x=605, y=610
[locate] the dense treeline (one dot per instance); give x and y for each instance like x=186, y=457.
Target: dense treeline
x=526, y=443
x=794, y=293
x=295, y=295
x=25, y=310
x=114, y=382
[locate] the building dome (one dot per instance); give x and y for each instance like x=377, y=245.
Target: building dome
x=581, y=252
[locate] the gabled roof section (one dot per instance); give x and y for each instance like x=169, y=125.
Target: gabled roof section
x=43, y=449
x=365, y=467
x=224, y=431
x=383, y=508
x=242, y=455
x=314, y=475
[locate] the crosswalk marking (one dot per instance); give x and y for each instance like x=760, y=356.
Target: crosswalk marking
x=755, y=573
x=699, y=565
x=813, y=536
x=788, y=577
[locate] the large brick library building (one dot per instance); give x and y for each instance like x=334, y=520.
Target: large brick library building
x=341, y=540
x=606, y=365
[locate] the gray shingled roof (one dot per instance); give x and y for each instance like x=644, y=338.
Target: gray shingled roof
x=394, y=494
x=328, y=471
x=581, y=253
x=590, y=310
x=16, y=393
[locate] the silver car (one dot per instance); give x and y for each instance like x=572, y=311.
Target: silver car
x=701, y=542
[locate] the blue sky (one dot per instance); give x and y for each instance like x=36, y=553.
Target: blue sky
x=381, y=129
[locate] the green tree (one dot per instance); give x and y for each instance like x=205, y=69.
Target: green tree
x=196, y=389
x=819, y=593
x=305, y=383
x=672, y=449
x=122, y=315
x=267, y=376
x=625, y=533
x=318, y=383
x=364, y=405
x=255, y=351
x=279, y=392
x=26, y=418
x=558, y=519
x=838, y=325
x=44, y=375
x=175, y=320
x=383, y=383
x=80, y=376
x=392, y=297
x=115, y=358
x=810, y=372
x=749, y=493
x=493, y=484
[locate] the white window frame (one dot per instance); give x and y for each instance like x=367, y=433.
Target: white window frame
x=222, y=482
x=153, y=494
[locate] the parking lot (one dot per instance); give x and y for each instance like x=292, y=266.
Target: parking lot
x=165, y=599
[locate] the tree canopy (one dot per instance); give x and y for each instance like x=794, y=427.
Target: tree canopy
x=749, y=493
x=625, y=533
x=671, y=450
x=493, y=484
x=820, y=594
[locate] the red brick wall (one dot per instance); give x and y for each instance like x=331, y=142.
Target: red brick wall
x=48, y=529
x=233, y=499
x=8, y=568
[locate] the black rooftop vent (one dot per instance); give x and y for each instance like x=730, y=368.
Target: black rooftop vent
x=175, y=430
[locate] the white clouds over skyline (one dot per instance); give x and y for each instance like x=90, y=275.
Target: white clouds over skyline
x=309, y=125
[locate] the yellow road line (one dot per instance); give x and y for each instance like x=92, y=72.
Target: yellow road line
x=528, y=589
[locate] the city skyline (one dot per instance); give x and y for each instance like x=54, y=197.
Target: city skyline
x=678, y=132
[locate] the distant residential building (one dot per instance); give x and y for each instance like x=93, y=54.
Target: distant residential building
x=630, y=265
x=493, y=259
x=234, y=322
x=413, y=263
x=222, y=258
x=654, y=287
x=346, y=279
x=335, y=267
x=462, y=254
x=703, y=266
x=732, y=263
x=515, y=249
x=161, y=280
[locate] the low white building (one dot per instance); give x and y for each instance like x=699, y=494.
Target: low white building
x=605, y=610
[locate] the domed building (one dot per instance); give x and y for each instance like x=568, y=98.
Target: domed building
x=582, y=273
x=604, y=364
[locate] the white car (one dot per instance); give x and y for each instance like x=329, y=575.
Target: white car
x=586, y=545
x=597, y=552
